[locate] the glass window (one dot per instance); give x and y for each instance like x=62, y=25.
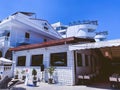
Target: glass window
x=8, y=34
x=46, y=28
x=37, y=60
x=21, y=61
x=91, y=30
x=58, y=59
x=27, y=35
x=45, y=40
x=86, y=60
x=62, y=33
x=79, y=59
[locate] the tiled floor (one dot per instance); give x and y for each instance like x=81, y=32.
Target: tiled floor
x=45, y=86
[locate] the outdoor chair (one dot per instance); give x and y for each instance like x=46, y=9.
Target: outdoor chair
x=13, y=84
x=4, y=82
x=114, y=80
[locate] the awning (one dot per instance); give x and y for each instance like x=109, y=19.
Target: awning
x=101, y=44
x=5, y=61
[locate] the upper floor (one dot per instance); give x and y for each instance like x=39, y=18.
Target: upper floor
x=23, y=28
x=82, y=29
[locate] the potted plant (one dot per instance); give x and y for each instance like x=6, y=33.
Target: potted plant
x=23, y=74
x=16, y=75
x=34, y=73
x=51, y=71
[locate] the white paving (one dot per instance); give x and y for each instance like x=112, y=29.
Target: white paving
x=45, y=86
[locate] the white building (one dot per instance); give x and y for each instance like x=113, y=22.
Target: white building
x=69, y=64
x=23, y=28
x=81, y=29
x=76, y=59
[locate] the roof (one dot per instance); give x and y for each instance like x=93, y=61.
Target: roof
x=26, y=13
x=101, y=44
x=5, y=61
x=51, y=43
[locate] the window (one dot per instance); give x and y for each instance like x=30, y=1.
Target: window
x=79, y=59
x=86, y=60
x=62, y=33
x=37, y=60
x=91, y=30
x=46, y=28
x=45, y=40
x=8, y=34
x=59, y=59
x=27, y=35
x=61, y=28
x=21, y=61
x=45, y=23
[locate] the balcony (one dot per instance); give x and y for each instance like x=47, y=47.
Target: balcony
x=23, y=41
x=4, y=41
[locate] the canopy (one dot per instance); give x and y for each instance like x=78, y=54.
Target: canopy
x=101, y=44
x=5, y=61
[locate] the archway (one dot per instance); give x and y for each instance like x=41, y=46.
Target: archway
x=8, y=55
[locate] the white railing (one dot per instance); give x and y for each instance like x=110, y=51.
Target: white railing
x=5, y=68
x=6, y=71
x=4, y=41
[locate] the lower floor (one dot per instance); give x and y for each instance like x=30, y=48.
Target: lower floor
x=72, y=67
x=69, y=65
x=45, y=86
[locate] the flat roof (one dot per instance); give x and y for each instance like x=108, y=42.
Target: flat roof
x=52, y=43
x=93, y=45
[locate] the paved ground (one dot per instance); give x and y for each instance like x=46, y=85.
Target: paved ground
x=45, y=86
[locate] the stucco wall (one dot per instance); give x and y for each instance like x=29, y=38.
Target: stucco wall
x=63, y=75
x=18, y=35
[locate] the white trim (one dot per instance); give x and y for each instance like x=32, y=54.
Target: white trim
x=100, y=44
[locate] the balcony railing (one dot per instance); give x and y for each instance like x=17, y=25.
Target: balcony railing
x=5, y=71
x=4, y=41
x=5, y=68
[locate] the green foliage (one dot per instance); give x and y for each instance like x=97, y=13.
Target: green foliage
x=34, y=72
x=51, y=70
x=17, y=72
x=23, y=72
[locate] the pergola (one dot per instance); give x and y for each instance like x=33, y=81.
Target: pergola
x=110, y=48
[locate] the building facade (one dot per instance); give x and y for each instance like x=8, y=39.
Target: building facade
x=23, y=28
x=74, y=59
x=81, y=29
x=69, y=64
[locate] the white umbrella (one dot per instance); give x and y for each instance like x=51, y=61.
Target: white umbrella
x=5, y=61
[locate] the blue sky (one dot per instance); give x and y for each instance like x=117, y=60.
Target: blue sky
x=107, y=12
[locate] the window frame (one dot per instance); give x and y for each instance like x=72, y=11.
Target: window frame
x=27, y=35
x=40, y=57
x=18, y=60
x=58, y=55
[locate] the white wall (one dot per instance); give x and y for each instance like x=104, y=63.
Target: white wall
x=18, y=35
x=38, y=24
x=65, y=75
x=81, y=31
